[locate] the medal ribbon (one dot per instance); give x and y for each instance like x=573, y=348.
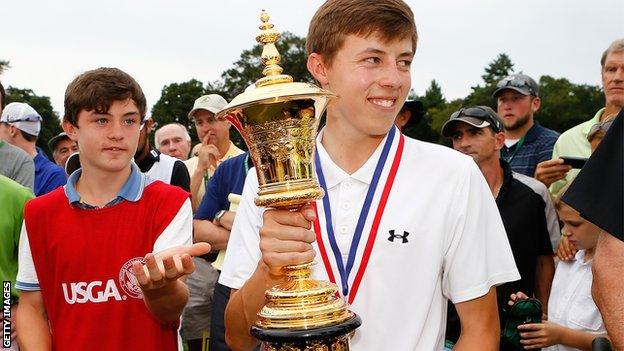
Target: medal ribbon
x=346, y=271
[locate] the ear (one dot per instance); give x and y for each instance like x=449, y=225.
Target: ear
x=148, y=126
x=318, y=69
x=402, y=118
x=499, y=140
x=70, y=129
x=535, y=104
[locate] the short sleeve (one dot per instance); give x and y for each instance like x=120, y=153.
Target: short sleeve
x=26, y=275
x=478, y=255
x=243, y=251
x=212, y=201
x=179, y=232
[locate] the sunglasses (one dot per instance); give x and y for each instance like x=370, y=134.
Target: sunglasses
x=604, y=126
x=516, y=83
x=25, y=119
x=480, y=113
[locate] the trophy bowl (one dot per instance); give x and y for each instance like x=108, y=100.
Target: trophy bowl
x=278, y=120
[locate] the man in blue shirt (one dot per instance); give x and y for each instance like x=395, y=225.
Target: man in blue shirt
x=20, y=125
x=212, y=223
x=527, y=143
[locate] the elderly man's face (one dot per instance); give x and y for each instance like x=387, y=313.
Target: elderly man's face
x=613, y=78
x=63, y=150
x=172, y=141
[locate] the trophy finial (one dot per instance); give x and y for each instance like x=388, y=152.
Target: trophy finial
x=270, y=56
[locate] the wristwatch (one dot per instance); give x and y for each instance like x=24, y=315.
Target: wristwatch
x=217, y=217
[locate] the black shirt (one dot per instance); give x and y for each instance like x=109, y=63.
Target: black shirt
x=524, y=219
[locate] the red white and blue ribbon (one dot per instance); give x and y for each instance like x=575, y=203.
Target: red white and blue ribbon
x=345, y=270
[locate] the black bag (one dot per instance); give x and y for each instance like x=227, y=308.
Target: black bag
x=522, y=312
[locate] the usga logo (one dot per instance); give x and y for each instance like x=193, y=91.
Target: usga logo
x=99, y=291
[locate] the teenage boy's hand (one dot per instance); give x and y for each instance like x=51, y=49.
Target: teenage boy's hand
x=551, y=171
x=162, y=268
x=286, y=238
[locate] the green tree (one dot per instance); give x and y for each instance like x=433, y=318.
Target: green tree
x=565, y=104
x=176, y=100
x=51, y=124
x=4, y=65
x=248, y=68
x=433, y=97
x=495, y=71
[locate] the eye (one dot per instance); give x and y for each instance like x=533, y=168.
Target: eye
x=405, y=64
x=101, y=121
x=130, y=121
x=372, y=60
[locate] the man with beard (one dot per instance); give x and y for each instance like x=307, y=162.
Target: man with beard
x=527, y=143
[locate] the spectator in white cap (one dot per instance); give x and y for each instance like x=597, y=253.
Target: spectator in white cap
x=15, y=162
x=216, y=145
x=20, y=125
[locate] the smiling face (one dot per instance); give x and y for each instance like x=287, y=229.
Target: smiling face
x=613, y=79
x=107, y=142
x=371, y=78
x=580, y=232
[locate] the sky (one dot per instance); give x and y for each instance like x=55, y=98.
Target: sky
x=160, y=42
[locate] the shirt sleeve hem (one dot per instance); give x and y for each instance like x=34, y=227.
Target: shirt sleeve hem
x=482, y=289
x=27, y=286
x=232, y=283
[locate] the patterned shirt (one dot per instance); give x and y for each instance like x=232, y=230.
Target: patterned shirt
x=536, y=146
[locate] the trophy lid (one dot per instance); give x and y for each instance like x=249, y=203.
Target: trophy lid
x=274, y=86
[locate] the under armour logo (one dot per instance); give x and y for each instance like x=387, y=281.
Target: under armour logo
x=402, y=237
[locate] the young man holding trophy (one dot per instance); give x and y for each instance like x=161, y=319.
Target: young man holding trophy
x=404, y=225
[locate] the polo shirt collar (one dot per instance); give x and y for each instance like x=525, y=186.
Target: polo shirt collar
x=533, y=133
x=132, y=190
x=334, y=175
x=596, y=119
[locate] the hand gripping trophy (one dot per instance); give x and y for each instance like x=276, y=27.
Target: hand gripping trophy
x=278, y=121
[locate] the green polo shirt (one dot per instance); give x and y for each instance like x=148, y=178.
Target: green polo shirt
x=13, y=197
x=573, y=142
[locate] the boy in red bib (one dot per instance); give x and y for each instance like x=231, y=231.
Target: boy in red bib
x=86, y=280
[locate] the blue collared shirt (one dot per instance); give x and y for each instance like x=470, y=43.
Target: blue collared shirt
x=132, y=190
x=537, y=147
x=48, y=176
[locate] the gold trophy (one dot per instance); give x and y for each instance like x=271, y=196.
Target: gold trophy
x=278, y=120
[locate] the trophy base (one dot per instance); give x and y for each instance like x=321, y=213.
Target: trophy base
x=289, y=195
x=331, y=338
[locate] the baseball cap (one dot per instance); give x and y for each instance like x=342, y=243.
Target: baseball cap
x=23, y=117
x=521, y=83
x=211, y=102
x=56, y=139
x=417, y=110
x=476, y=116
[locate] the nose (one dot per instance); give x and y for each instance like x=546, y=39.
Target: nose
x=115, y=131
x=619, y=74
x=391, y=75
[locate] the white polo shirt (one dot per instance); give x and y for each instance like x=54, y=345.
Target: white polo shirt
x=571, y=304
x=440, y=237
